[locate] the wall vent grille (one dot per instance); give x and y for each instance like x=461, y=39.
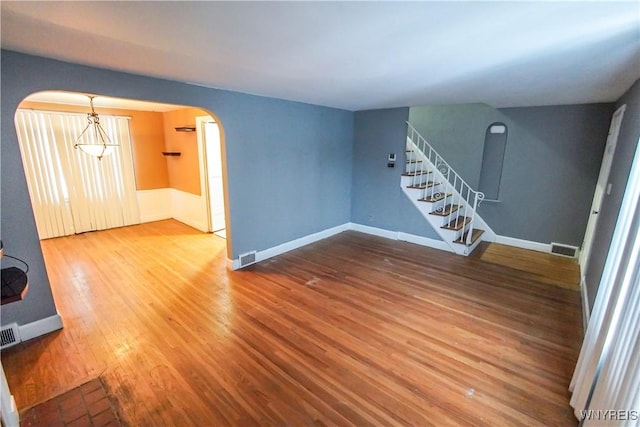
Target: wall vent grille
x=247, y=259
x=564, y=250
x=9, y=335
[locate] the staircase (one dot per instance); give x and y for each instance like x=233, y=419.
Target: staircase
x=445, y=200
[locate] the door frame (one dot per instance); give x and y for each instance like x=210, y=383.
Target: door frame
x=601, y=188
x=204, y=168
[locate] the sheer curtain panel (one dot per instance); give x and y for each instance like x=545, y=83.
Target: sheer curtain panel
x=73, y=192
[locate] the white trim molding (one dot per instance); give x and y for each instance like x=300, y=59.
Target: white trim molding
x=424, y=241
x=293, y=244
x=402, y=236
x=234, y=264
x=524, y=244
x=40, y=327
x=585, y=303
x=380, y=232
x=297, y=243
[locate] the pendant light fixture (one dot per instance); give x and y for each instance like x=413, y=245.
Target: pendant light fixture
x=93, y=140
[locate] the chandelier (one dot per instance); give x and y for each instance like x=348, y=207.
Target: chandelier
x=93, y=140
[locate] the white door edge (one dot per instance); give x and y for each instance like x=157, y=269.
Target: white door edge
x=599, y=192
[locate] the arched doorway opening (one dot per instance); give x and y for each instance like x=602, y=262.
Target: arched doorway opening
x=165, y=144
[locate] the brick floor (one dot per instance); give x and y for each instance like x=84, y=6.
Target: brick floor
x=85, y=406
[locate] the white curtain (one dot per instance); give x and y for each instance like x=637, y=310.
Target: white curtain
x=73, y=192
x=606, y=381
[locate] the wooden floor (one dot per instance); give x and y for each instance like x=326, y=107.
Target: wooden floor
x=351, y=330
x=540, y=267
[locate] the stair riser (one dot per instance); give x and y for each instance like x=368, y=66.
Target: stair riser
x=413, y=167
x=420, y=179
x=406, y=181
x=438, y=187
x=436, y=222
x=444, y=220
x=455, y=235
x=447, y=214
x=411, y=156
x=474, y=245
x=440, y=206
x=445, y=200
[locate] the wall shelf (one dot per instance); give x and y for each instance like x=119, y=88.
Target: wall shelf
x=171, y=153
x=186, y=129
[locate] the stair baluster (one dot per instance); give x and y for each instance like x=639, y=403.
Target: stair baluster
x=452, y=199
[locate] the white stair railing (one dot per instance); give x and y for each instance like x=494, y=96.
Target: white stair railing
x=462, y=195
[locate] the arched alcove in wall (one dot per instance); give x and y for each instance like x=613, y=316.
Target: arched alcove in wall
x=164, y=146
x=495, y=142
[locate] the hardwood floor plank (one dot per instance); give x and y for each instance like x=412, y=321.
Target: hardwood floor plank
x=351, y=330
x=461, y=370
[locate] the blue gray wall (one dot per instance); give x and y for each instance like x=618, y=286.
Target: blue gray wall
x=377, y=199
x=551, y=163
x=457, y=133
x=288, y=164
x=620, y=168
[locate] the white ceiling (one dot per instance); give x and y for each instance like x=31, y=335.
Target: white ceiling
x=351, y=55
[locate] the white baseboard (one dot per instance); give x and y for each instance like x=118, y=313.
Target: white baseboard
x=311, y=238
x=154, y=205
x=524, y=244
x=585, y=303
x=393, y=235
x=380, y=232
x=302, y=241
x=40, y=327
x=189, y=209
x=424, y=241
x=399, y=235
x=294, y=244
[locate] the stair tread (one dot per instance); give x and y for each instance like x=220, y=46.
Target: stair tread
x=423, y=185
x=448, y=209
x=414, y=161
x=475, y=235
x=462, y=221
x=428, y=199
x=416, y=173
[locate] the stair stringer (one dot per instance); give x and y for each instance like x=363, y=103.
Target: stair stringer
x=416, y=160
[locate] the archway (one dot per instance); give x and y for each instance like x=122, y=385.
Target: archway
x=167, y=160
